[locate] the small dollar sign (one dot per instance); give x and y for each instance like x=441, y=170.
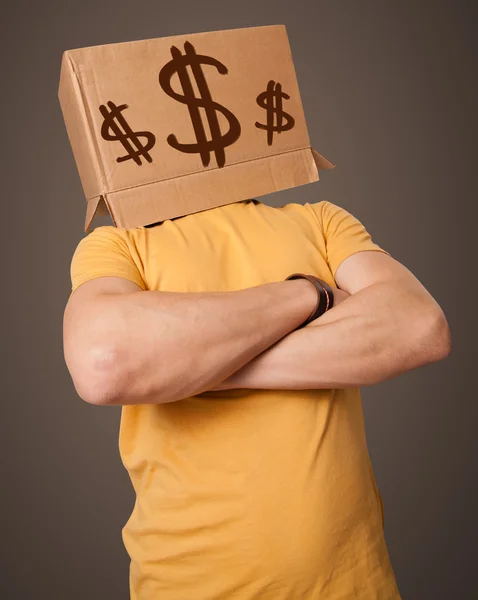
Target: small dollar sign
x=218, y=141
x=115, y=122
x=271, y=100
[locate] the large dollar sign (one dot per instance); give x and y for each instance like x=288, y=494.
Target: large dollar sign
x=218, y=141
x=115, y=122
x=271, y=100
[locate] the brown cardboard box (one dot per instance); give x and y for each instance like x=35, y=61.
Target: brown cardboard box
x=167, y=127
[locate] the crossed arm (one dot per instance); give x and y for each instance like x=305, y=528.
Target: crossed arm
x=124, y=346
x=388, y=325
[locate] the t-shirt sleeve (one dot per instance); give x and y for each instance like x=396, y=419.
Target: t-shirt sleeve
x=103, y=253
x=343, y=233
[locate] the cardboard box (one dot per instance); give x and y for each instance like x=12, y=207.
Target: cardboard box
x=166, y=127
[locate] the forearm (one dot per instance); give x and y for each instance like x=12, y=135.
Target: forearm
x=169, y=346
x=374, y=335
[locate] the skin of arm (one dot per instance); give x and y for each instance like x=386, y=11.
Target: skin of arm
x=388, y=325
x=123, y=345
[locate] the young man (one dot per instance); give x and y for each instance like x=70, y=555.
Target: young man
x=242, y=431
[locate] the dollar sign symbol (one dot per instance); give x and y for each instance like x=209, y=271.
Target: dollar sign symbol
x=218, y=141
x=121, y=131
x=271, y=100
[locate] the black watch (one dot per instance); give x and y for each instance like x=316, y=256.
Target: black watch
x=325, y=299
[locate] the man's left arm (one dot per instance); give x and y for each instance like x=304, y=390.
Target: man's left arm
x=390, y=324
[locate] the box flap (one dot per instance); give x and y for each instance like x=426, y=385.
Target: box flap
x=96, y=206
x=135, y=207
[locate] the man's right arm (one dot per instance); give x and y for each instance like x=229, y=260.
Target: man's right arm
x=124, y=345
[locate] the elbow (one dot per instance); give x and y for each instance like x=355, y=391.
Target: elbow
x=436, y=339
x=423, y=340
x=98, y=376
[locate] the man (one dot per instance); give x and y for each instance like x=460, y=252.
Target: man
x=242, y=431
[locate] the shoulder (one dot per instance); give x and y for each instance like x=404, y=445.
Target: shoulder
x=107, y=236
x=106, y=251
x=334, y=219
x=324, y=211
x=312, y=211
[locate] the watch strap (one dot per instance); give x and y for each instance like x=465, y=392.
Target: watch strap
x=325, y=296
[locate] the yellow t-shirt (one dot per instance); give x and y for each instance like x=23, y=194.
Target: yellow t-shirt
x=246, y=494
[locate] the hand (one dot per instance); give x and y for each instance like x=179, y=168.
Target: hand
x=227, y=384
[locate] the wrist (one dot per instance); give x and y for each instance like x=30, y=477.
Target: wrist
x=324, y=296
x=304, y=295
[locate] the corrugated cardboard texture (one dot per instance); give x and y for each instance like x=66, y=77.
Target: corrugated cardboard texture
x=166, y=127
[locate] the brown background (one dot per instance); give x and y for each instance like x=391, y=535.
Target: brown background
x=390, y=95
